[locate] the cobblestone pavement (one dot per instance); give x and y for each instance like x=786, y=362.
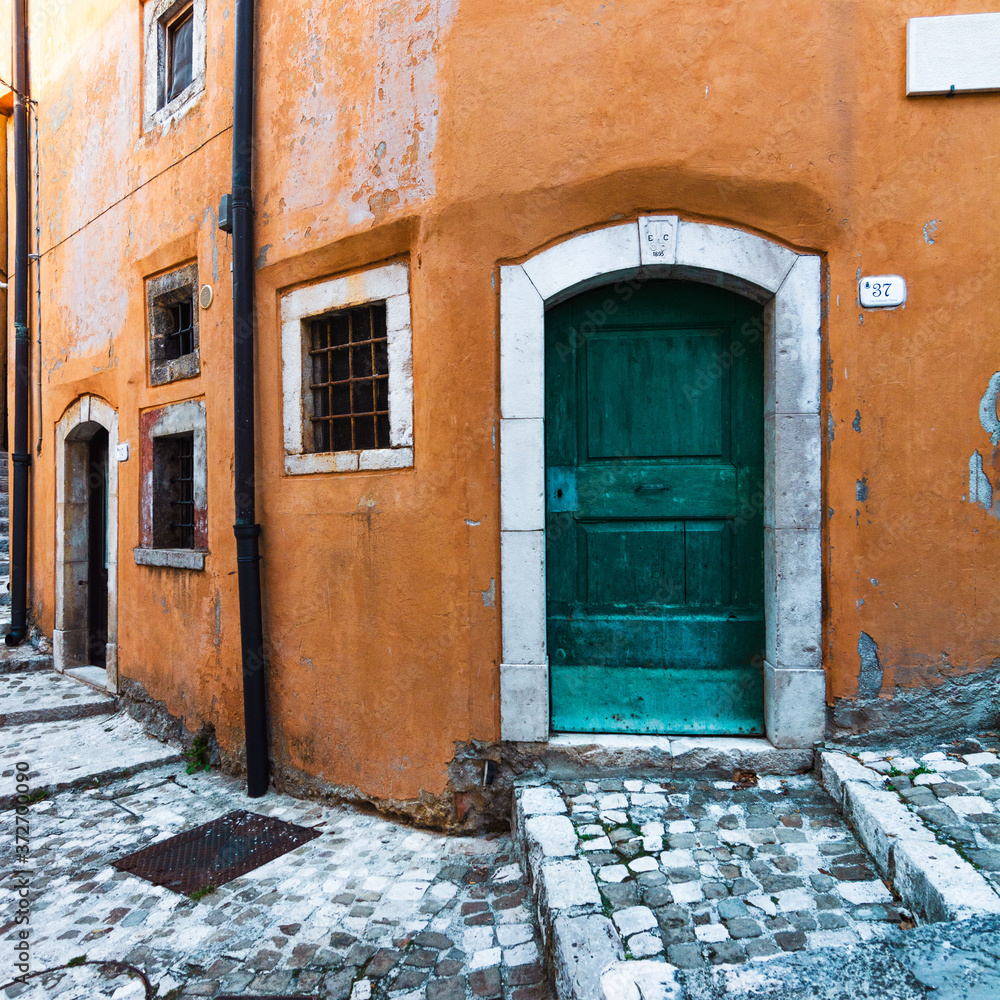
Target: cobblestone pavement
x=955, y=790
x=369, y=908
x=706, y=873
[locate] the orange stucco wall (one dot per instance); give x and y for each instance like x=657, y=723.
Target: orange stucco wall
x=458, y=134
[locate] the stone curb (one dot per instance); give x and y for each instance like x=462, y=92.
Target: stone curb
x=59, y=713
x=931, y=878
x=579, y=940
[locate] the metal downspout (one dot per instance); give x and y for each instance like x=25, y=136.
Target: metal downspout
x=20, y=457
x=246, y=528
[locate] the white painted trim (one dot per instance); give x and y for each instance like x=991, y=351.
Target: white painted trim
x=789, y=285
x=390, y=284
x=66, y=636
x=154, y=14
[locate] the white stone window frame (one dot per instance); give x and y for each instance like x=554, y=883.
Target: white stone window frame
x=156, y=15
x=186, y=417
x=788, y=284
x=388, y=283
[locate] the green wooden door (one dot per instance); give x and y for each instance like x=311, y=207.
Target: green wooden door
x=654, y=443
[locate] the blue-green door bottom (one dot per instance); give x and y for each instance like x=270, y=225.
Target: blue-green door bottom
x=721, y=701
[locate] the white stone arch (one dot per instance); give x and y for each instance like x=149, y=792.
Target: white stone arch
x=74, y=430
x=788, y=285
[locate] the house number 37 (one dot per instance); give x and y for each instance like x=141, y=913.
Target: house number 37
x=882, y=291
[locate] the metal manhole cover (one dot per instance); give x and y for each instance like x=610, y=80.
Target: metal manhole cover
x=215, y=853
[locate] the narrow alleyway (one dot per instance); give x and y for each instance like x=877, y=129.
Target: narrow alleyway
x=370, y=907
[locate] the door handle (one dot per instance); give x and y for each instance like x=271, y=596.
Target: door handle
x=652, y=488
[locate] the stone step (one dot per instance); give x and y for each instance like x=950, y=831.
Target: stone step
x=83, y=752
x=36, y=696
x=22, y=659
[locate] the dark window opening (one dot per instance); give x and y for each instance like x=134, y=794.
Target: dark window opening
x=179, y=47
x=173, y=492
x=178, y=337
x=350, y=380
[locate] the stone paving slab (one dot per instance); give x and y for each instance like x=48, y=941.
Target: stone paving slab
x=78, y=752
x=931, y=820
x=45, y=696
x=699, y=872
x=369, y=909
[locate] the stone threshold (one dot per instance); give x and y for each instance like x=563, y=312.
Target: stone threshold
x=569, y=755
x=931, y=878
x=95, y=677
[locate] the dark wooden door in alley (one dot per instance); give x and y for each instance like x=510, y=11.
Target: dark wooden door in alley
x=97, y=548
x=654, y=510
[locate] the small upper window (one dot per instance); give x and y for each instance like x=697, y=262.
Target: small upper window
x=173, y=59
x=180, y=49
x=172, y=309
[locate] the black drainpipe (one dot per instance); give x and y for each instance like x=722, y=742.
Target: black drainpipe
x=20, y=457
x=246, y=528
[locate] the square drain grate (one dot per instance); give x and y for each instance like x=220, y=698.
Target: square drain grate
x=215, y=853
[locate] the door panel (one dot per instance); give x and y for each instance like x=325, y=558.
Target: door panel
x=654, y=520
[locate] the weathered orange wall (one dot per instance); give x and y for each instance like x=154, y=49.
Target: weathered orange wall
x=505, y=128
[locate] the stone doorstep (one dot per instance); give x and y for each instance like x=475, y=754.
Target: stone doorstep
x=931, y=878
x=569, y=755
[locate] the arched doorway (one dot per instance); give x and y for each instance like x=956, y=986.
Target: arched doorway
x=86, y=634
x=787, y=285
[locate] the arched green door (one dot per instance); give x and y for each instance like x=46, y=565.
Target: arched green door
x=654, y=444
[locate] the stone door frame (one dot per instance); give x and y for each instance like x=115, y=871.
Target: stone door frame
x=788, y=284
x=74, y=430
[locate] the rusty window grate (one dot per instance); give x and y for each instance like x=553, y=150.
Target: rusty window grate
x=350, y=380
x=178, y=339
x=215, y=853
x=173, y=491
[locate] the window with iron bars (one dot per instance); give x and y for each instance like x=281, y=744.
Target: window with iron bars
x=173, y=492
x=178, y=337
x=349, y=352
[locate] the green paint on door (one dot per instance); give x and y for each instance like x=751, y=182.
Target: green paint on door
x=654, y=444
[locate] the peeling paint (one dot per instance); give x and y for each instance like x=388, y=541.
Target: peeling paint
x=856, y=423
x=870, y=676
x=988, y=409
x=980, y=488
x=489, y=595
x=861, y=490
x=930, y=228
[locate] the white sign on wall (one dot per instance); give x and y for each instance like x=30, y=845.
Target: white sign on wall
x=953, y=54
